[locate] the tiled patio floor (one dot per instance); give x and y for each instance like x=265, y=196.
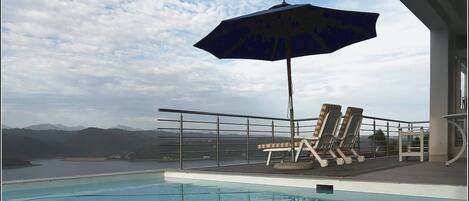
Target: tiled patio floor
x=379, y=169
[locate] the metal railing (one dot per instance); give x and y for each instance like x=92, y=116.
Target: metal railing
x=226, y=139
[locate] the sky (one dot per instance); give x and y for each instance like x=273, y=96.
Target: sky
x=110, y=62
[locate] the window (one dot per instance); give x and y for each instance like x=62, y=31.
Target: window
x=462, y=95
x=463, y=84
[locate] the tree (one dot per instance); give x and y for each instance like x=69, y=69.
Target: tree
x=378, y=139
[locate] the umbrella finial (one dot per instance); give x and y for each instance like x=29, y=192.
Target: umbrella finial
x=280, y=5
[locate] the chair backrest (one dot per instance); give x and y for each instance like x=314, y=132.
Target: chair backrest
x=325, y=109
x=327, y=125
x=350, y=127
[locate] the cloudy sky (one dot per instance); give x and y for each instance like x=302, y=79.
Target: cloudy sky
x=103, y=63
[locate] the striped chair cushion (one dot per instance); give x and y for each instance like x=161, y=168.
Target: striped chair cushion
x=277, y=145
x=325, y=108
x=347, y=117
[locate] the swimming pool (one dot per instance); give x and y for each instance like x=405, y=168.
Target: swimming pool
x=153, y=186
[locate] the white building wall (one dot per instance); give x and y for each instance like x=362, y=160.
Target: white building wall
x=439, y=94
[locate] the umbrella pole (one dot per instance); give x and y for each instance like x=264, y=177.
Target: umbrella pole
x=290, y=102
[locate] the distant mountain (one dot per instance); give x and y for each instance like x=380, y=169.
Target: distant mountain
x=5, y=126
x=54, y=127
x=126, y=128
x=27, y=144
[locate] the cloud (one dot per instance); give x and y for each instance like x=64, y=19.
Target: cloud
x=104, y=63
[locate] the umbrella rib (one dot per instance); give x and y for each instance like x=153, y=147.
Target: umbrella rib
x=275, y=48
x=231, y=49
x=320, y=41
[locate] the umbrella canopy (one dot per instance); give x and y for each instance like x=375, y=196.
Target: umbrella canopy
x=286, y=31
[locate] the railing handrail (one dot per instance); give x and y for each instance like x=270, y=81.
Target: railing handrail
x=457, y=115
x=220, y=114
x=273, y=118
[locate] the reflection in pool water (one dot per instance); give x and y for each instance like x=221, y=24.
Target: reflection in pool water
x=152, y=186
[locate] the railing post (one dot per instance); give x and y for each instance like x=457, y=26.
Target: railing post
x=409, y=137
x=247, y=141
x=273, y=132
x=218, y=141
x=387, y=138
x=297, y=128
x=373, y=140
x=399, y=147
x=358, y=144
x=181, y=130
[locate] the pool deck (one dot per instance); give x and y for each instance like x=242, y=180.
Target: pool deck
x=379, y=169
x=380, y=175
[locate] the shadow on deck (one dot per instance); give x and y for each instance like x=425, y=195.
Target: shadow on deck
x=379, y=169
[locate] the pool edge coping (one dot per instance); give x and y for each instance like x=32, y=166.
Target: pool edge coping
x=445, y=191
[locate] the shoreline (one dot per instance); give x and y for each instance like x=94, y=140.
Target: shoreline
x=84, y=159
x=12, y=163
x=18, y=166
x=98, y=159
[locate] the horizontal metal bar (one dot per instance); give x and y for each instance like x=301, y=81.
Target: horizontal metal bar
x=305, y=132
x=168, y=128
x=260, y=125
x=276, y=126
x=301, y=126
x=420, y=122
x=219, y=114
x=226, y=130
x=384, y=119
x=199, y=129
x=382, y=125
x=213, y=136
x=231, y=123
x=171, y=120
x=306, y=119
x=259, y=131
x=263, y=125
x=200, y=122
x=460, y=115
x=272, y=118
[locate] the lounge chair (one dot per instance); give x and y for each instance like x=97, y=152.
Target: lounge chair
x=328, y=114
x=349, y=135
x=324, y=137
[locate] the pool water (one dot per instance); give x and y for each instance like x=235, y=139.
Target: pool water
x=152, y=186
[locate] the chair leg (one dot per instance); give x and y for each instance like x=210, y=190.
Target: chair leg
x=268, y=158
x=360, y=158
x=347, y=159
x=299, y=151
x=321, y=161
x=338, y=160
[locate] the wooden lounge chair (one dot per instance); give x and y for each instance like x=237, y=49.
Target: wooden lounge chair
x=323, y=119
x=349, y=135
x=324, y=137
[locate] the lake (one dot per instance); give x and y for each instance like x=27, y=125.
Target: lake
x=58, y=168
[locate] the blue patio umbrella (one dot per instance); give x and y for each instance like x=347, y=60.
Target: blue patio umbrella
x=285, y=31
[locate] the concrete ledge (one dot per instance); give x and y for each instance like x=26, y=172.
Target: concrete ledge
x=409, y=189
